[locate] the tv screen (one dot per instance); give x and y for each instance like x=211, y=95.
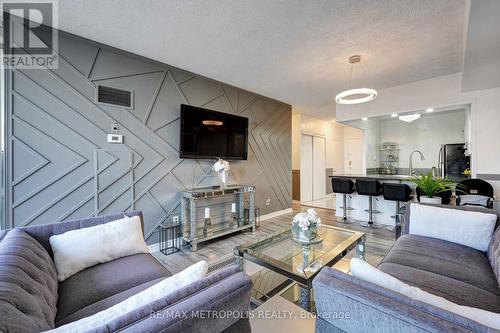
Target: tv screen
x=207, y=134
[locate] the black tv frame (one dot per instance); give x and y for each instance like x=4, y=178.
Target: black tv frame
x=192, y=108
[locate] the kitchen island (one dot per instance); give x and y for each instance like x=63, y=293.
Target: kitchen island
x=359, y=203
x=380, y=177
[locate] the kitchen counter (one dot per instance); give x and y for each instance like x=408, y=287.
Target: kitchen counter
x=386, y=177
x=371, y=176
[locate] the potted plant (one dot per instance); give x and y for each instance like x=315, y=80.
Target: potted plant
x=431, y=186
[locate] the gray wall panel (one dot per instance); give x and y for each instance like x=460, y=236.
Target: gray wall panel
x=64, y=168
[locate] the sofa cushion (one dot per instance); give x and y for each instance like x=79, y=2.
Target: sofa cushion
x=78, y=249
x=365, y=271
x=494, y=254
x=405, y=227
x=104, y=280
x=456, y=272
x=472, y=229
x=105, y=303
x=42, y=232
x=28, y=284
x=139, y=300
x=227, y=289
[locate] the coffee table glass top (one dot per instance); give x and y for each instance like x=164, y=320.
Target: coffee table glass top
x=280, y=252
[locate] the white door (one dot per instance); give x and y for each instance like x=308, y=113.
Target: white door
x=319, y=170
x=306, y=168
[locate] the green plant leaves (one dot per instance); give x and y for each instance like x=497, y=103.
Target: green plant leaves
x=432, y=186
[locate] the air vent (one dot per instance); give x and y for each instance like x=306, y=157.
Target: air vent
x=114, y=96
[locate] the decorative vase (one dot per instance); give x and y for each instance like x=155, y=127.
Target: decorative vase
x=305, y=228
x=305, y=235
x=433, y=200
x=221, y=168
x=222, y=179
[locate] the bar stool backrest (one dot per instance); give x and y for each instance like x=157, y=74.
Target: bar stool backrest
x=396, y=192
x=476, y=186
x=368, y=187
x=342, y=185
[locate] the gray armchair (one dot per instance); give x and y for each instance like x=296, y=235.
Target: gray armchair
x=458, y=273
x=32, y=300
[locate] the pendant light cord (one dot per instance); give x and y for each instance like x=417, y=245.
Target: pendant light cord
x=362, y=69
x=350, y=76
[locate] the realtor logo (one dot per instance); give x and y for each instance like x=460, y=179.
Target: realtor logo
x=29, y=34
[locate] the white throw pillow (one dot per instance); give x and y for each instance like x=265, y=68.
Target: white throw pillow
x=158, y=291
x=472, y=229
x=78, y=249
x=365, y=271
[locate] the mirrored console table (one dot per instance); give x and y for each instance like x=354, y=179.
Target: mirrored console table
x=196, y=229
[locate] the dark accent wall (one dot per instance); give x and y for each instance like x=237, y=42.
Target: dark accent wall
x=61, y=167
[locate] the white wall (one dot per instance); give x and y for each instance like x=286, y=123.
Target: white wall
x=439, y=92
x=371, y=140
x=425, y=134
x=354, y=151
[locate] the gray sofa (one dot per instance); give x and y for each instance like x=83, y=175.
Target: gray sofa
x=32, y=300
x=458, y=273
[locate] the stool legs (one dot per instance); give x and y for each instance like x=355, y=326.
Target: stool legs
x=370, y=223
x=396, y=217
x=344, y=208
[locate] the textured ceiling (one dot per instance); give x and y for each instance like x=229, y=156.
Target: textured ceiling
x=292, y=50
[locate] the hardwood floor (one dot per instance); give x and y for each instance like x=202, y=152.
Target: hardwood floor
x=378, y=242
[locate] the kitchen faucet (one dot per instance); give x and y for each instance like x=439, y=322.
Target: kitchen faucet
x=410, y=166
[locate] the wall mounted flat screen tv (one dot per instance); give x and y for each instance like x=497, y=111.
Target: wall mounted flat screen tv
x=207, y=134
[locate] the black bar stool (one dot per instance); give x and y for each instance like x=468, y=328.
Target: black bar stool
x=370, y=187
x=344, y=186
x=477, y=187
x=399, y=193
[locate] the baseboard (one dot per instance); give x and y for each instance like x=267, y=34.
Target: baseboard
x=154, y=247
x=276, y=213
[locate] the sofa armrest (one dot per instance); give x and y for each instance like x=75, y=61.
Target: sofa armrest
x=211, y=304
x=355, y=305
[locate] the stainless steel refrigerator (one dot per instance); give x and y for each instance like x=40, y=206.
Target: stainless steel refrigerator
x=453, y=161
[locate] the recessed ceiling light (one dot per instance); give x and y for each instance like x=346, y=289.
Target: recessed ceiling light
x=394, y=115
x=364, y=118
x=409, y=117
x=429, y=110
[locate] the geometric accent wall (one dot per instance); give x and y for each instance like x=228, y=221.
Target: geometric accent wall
x=61, y=167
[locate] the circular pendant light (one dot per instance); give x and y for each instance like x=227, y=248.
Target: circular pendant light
x=358, y=95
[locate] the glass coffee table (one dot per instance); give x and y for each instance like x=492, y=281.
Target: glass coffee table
x=300, y=263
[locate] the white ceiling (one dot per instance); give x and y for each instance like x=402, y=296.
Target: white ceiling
x=292, y=50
